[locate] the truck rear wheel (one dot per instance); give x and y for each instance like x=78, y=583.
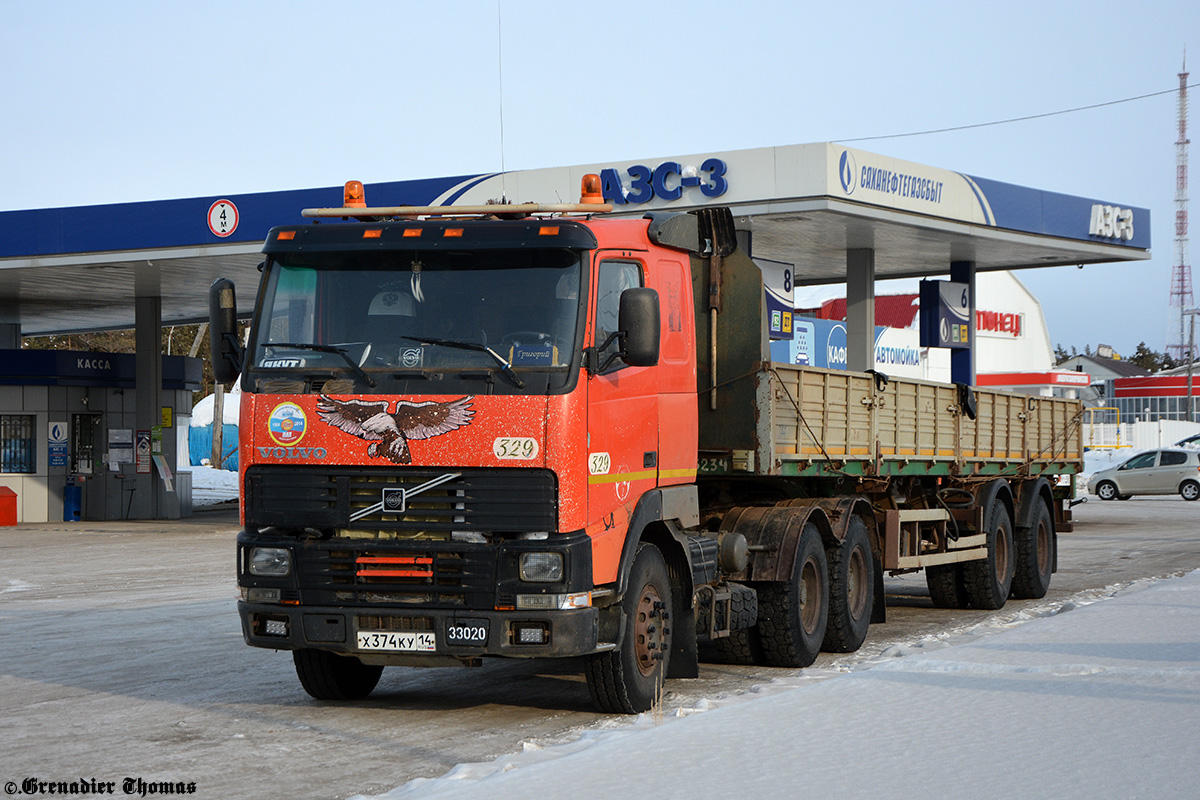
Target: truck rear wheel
x=989, y=580
x=629, y=679
x=792, y=616
x=851, y=590
x=329, y=676
x=741, y=646
x=946, y=589
x=1035, y=556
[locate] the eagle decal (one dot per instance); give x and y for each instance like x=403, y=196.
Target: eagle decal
x=389, y=433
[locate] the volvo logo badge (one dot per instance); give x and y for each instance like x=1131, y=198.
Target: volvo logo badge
x=394, y=500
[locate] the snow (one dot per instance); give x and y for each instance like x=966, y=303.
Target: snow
x=1098, y=702
x=203, y=412
x=211, y=486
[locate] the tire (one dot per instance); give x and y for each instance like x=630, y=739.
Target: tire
x=1035, y=556
x=1189, y=490
x=1107, y=490
x=329, y=676
x=792, y=616
x=946, y=589
x=988, y=581
x=629, y=679
x=851, y=590
x=741, y=646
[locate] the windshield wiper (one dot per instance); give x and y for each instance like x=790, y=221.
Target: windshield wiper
x=505, y=365
x=324, y=348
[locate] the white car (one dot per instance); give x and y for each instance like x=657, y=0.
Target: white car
x=1169, y=471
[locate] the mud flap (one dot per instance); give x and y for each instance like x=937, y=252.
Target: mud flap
x=879, y=609
x=685, y=658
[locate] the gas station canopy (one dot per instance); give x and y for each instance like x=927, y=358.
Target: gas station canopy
x=78, y=269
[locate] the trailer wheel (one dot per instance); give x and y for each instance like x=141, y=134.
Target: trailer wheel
x=628, y=680
x=1035, y=556
x=329, y=676
x=946, y=589
x=792, y=616
x=1107, y=490
x=851, y=590
x=989, y=580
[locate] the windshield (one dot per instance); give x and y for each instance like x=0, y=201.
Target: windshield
x=503, y=316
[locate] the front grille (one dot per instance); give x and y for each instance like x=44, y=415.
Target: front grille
x=478, y=500
x=378, y=622
x=435, y=575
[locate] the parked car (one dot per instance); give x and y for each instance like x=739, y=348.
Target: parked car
x=1153, y=472
x=1192, y=442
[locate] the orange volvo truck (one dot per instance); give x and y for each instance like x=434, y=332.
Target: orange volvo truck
x=536, y=431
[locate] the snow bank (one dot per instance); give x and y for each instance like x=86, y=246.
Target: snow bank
x=1099, y=702
x=211, y=486
x=202, y=412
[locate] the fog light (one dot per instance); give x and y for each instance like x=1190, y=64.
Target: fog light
x=275, y=627
x=270, y=561
x=541, y=567
x=530, y=633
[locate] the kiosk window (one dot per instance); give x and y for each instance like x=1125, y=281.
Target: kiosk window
x=17, y=453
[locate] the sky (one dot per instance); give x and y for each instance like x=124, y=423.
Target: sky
x=1096, y=703
x=128, y=101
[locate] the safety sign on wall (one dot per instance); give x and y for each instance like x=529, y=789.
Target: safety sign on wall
x=141, y=452
x=58, y=444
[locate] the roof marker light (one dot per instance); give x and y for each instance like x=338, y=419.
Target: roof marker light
x=354, y=196
x=449, y=232
x=285, y=236
x=548, y=230
x=372, y=233
x=589, y=190
x=410, y=233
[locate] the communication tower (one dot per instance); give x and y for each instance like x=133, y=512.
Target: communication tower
x=1181, y=275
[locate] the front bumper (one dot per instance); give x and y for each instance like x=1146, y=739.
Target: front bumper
x=570, y=632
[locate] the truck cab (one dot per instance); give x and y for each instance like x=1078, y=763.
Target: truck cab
x=450, y=423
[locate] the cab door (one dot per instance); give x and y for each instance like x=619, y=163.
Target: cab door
x=622, y=453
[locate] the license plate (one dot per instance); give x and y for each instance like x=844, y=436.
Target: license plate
x=467, y=631
x=398, y=641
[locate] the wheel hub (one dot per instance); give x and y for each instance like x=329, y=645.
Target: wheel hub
x=649, y=630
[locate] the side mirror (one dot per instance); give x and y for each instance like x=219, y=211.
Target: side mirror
x=226, y=350
x=638, y=318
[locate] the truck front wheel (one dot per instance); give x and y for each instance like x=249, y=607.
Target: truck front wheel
x=792, y=616
x=629, y=679
x=329, y=676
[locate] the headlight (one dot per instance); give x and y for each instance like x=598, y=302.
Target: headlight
x=541, y=567
x=270, y=561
